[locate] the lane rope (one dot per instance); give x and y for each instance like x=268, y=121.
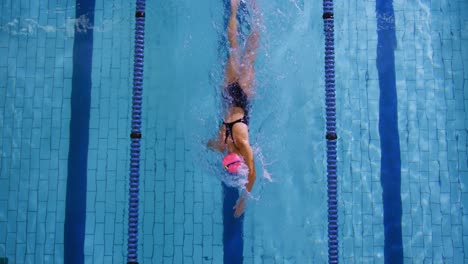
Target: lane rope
x=331, y=136
x=135, y=136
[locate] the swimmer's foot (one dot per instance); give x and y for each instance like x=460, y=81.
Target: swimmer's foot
x=234, y=5
x=254, y=5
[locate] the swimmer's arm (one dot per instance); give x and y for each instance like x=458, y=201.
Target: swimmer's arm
x=218, y=143
x=232, y=25
x=246, y=151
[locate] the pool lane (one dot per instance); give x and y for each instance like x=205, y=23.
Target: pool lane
x=388, y=128
x=75, y=210
x=233, y=228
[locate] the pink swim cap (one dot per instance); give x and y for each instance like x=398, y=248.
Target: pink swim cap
x=231, y=162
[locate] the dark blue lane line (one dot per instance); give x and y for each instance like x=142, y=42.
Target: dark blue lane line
x=75, y=210
x=388, y=128
x=233, y=228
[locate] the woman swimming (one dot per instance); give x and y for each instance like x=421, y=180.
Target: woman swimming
x=233, y=136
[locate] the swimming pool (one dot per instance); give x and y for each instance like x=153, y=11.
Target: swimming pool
x=181, y=194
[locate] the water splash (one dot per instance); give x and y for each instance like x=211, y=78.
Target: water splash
x=26, y=27
x=238, y=180
x=423, y=27
x=32, y=27
x=259, y=155
x=211, y=161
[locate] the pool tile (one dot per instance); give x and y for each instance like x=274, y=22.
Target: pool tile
x=54, y=39
x=207, y=247
x=40, y=257
x=159, y=209
x=169, y=202
x=169, y=224
x=188, y=224
x=159, y=234
x=197, y=212
x=179, y=213
x=447, y=247
x=147, y=219
x=188, y=245
x=170, y=185
x=456, y=235
x=169, y=246
x=179, y=189
x=178, y=235
x=458, y=255
x=197, y=252
x=197, y=234
x=178, y=256
x=148, y=246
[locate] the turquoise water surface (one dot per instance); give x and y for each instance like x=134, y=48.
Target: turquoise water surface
x=181, y=195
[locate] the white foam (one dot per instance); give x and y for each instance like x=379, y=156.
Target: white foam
x=259, y=155
x=238, y=180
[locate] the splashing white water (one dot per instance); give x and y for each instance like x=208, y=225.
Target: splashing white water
x=238, y=180
x=259, y=155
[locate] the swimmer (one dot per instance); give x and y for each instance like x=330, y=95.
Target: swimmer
x=233, y=136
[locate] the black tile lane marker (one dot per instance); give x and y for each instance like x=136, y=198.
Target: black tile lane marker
x=75, y=208
x=390, y=174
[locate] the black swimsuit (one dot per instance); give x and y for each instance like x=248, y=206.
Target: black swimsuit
x=229, y=128
x=236, y=97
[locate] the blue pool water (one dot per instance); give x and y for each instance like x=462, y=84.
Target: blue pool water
x=402, y=127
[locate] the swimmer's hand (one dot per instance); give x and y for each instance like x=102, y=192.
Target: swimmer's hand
x=239, y=207
x=214, y=145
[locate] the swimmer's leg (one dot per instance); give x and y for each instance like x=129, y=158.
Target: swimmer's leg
x=233, y=64
x=247, y=74
x=218, y=144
